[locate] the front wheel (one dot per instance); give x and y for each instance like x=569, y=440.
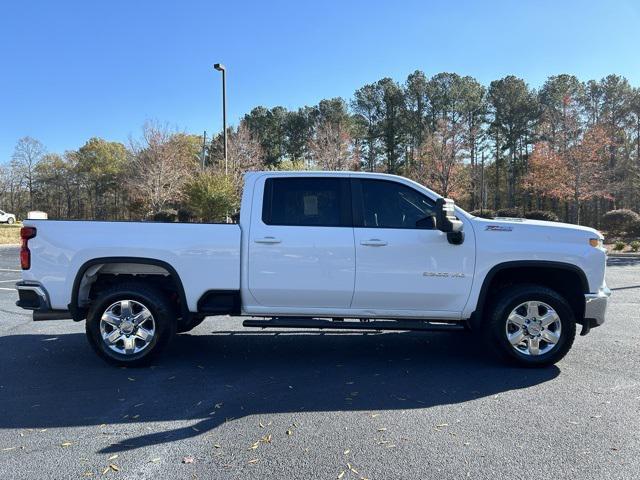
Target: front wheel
x=531, y=325
x=130, y=324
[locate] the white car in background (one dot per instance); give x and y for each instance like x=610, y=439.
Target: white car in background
x=5, y=217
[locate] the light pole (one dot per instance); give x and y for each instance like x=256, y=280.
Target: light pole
x=220, y=67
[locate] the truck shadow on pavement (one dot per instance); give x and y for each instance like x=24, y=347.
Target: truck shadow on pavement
x=206, y=380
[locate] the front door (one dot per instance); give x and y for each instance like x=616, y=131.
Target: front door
x=301, y=250
x=402, y=267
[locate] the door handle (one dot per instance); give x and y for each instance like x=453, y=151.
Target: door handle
x=373, y=242
x=267, y=240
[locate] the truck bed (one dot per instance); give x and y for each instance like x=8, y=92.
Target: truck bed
x=205, y=256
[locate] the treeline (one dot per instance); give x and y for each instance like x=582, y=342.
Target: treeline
x=571, y=147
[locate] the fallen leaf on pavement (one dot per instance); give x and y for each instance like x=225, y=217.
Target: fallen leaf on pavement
x=113, y=457
x=187, y=459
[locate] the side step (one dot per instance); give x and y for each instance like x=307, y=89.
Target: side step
x=39, y=315
x=293, y=322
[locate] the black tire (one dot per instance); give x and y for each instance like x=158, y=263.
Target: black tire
x=510, y=298
x=10, y=221
x=187, y=326
x=154, y=300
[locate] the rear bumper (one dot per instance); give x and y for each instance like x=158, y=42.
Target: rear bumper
x=33, y=296
x=595, y=306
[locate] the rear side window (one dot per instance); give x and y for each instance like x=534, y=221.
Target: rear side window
x=393, y=205
x=307, y=201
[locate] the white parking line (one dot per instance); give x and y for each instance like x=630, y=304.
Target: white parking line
x=9, y=289
x=9, y=270
x=6, y=281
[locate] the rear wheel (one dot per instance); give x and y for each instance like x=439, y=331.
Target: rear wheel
x=531, y=325
x=11, y=221
x=130, y=324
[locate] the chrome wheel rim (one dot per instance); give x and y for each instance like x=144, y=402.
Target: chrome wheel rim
x=127, y=327
x=533, y=328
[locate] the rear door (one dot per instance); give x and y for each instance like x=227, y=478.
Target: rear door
x=398, y=265
x=301, y=247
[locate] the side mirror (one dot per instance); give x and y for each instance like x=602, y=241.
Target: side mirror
x=427, y=223
x=447, y=221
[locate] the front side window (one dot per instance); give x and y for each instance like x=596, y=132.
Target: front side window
x=388, y=204
x=306, y=201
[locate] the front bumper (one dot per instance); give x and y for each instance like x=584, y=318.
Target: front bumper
x=596, y=306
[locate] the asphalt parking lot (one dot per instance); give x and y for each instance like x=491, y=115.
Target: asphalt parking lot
x=238, y=403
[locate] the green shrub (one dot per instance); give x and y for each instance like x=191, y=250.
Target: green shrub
x=619, y=246
x=509, y=212
x=617, y=222
x=634, y=229
x=168, y=215
x=184, y=215
x=542, y=215
x=483, y=213
x=211, y=196
x=635, y=246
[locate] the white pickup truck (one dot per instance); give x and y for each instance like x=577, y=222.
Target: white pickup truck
x=343, y=250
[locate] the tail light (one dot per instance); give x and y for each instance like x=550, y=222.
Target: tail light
x=26, y=233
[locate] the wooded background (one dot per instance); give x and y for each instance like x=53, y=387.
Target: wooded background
x=571, y=147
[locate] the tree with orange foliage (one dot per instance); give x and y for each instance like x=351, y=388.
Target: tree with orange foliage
x=578, y=175
x=548, y=175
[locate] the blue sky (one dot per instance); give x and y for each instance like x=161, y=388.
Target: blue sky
x=75, y=69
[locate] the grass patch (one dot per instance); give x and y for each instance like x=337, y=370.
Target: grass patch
x=10, y=234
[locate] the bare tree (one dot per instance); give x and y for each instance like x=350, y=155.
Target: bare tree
x=244, y=151
x=162, y=161
x=331, y=147
x=440, y=162
x=27, y=154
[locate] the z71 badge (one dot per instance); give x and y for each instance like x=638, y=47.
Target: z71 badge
x=498, y=228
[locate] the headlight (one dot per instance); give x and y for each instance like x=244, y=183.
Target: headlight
x=596, y=242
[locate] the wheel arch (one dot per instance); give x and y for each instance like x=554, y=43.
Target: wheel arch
x=78, y=312
x=533, y=269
